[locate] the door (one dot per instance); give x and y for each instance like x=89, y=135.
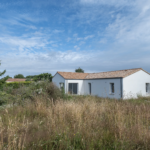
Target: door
x=73, y=88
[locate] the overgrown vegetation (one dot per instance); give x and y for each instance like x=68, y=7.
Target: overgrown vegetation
x=2, y=81
x=40, y=116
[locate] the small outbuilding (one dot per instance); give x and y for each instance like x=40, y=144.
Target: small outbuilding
x=121, y=84
x=15, y=80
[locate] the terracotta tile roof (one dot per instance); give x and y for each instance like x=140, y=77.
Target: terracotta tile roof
x=15, y=80
x=113, y=74
x=110, y=74
x=73, y=75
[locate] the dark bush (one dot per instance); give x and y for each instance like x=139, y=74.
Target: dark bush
x=53, y=91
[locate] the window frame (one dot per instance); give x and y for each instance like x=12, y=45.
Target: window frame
x=60, y=87
x=147, y=87
x=112, y=88
x=90, y=88
x=72, y=88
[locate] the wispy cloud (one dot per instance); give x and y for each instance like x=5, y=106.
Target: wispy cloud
x=58, y=31
x=89, y=37
x=77, y=47
x=103, y=41
x=23, y=43
x=107, y=2
x=68, y=39
x=35, y=63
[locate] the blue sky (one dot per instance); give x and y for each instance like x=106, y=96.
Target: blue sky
x=62, y=35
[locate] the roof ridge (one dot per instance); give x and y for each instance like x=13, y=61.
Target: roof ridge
x=87, y=75
x=16, y=78
x=109, y=74
x=118, y=70
x=72, y=75
x=71, y=72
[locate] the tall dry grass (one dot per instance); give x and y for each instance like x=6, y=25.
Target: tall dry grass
x=84, y=122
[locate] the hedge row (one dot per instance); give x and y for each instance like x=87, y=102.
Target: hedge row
x=17, y=84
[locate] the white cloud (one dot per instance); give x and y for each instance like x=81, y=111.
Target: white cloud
x=75, y=35
x=131, y=29
x=54, y=45
x=78, y=39
x=23, y=43
x=17, y=22
x=107, y=2
x=92, y=61
x=83, y=38
x=103, y=41
x=68, y=39
x=76, y=47
x=88, y=37
x=58, y=31
x=81, y=43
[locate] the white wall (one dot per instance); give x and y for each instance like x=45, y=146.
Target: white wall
x=101, y=87
x=57, y=79
x=135, y=84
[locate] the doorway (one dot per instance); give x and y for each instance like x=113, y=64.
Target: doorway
x=73, y=88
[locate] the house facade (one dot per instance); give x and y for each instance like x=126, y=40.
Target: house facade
x=121, y=84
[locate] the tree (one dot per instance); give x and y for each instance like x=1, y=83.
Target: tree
x=79, y=70
x=2, y=73
x=9, y=76
x=19, y=76
x=42, y=76
x=2, y=81
x=30, y=76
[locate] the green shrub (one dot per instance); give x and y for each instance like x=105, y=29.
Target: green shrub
x=5, y=98
x=24, y=91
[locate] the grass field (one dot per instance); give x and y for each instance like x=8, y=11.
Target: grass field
x=52, y=120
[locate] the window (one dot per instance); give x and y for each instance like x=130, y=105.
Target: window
x=73, y=88
x=112, y=88
x=89, y=88
x=61, y=85
x=147, y=87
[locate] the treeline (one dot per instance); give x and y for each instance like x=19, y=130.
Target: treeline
x=42, y=76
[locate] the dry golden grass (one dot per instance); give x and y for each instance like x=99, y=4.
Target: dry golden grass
x=84, y=122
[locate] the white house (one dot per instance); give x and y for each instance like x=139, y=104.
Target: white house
x=113, y=84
